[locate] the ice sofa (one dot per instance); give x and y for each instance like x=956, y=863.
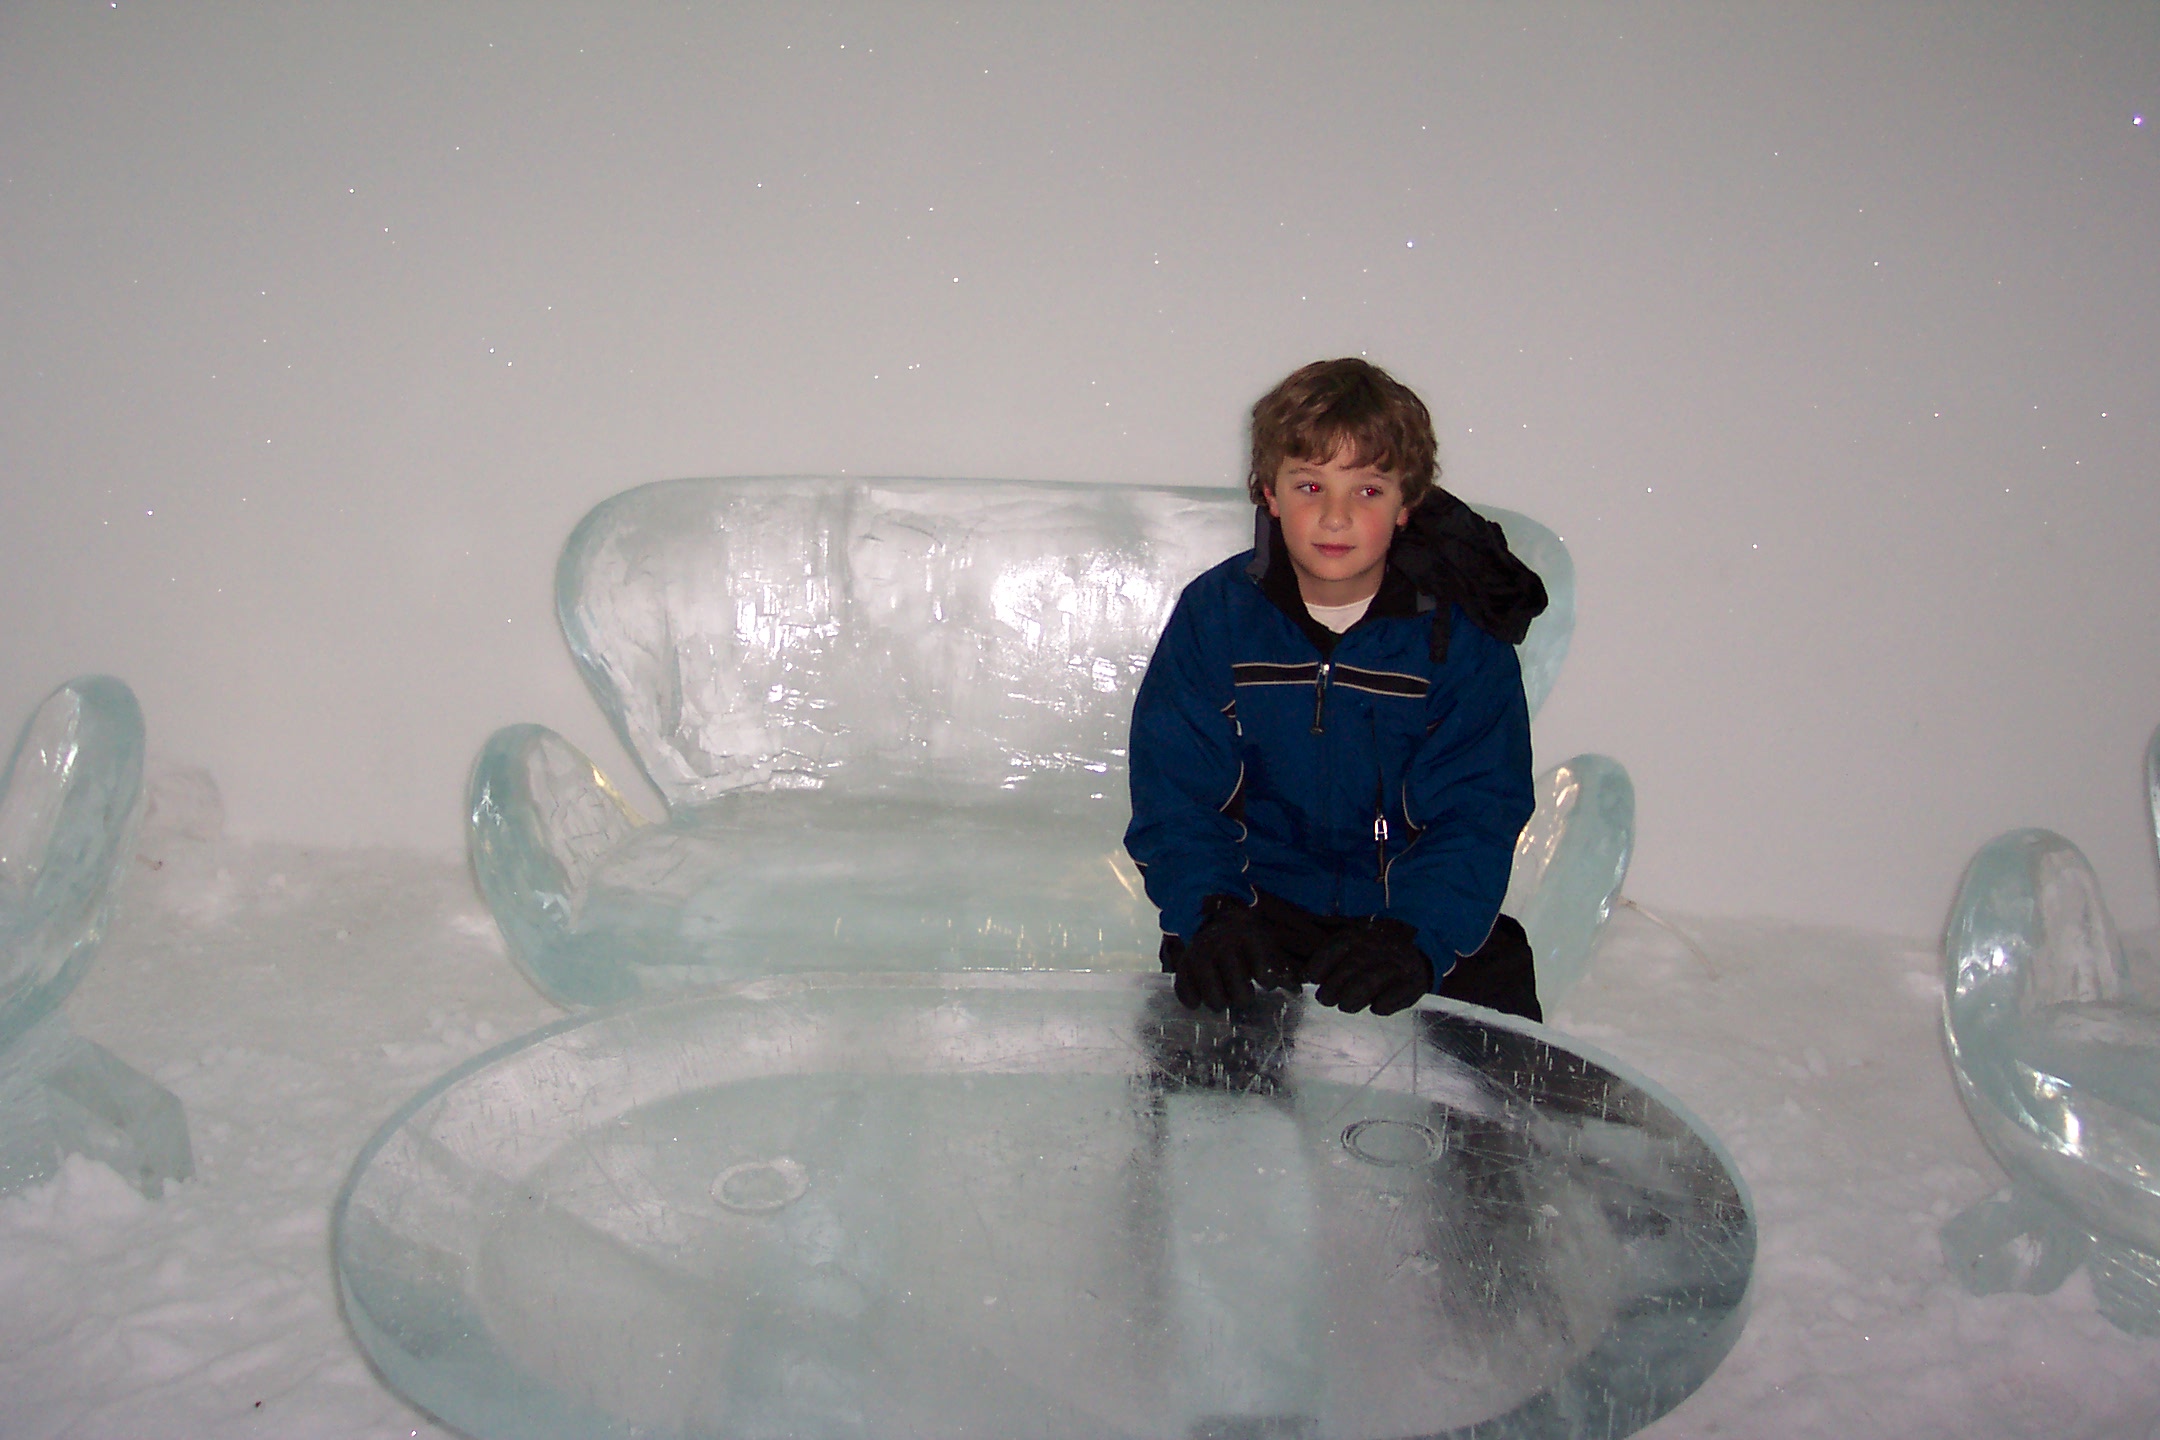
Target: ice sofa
x=2057, y=1058
x=887, y=718
x=68, y=805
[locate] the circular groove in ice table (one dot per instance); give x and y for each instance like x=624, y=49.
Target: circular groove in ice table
x=1392, y=1142
x=758, y=1187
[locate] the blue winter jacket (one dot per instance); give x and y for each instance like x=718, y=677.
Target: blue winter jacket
x=1351, y=774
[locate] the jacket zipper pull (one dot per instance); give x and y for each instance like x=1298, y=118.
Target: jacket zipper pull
x=1379, y=814
x=1319, y=694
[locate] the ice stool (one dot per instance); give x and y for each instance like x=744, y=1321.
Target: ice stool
x=887, y=719
x=68, y=805
x=2058, y=1061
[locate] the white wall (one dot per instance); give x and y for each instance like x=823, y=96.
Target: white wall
x=1826, y=336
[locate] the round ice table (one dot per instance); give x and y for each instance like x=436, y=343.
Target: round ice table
x=1021, y=1205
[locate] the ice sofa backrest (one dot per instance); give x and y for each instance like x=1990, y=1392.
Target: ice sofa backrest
x=803, y=632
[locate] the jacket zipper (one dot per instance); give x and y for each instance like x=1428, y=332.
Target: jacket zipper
x=1319, y=694
x=1379, y=816
x=1379, y=835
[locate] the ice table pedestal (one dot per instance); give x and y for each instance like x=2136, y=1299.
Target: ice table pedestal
x=1040, y=1205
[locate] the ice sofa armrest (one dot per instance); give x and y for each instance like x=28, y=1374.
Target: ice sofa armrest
x=541, y=818
x=69, y=803
x=68, y=806
x=1570, y=861
x=2152, y=784
x=2058, y=1063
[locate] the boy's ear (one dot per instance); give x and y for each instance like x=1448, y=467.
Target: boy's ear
x=1270, y=494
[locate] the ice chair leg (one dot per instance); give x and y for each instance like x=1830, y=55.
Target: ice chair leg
x=111, y=1112
x=65, y=1095
x=29, y=1148
x=2022, y=1243
x=2026, y=1244
x=2126, y=1286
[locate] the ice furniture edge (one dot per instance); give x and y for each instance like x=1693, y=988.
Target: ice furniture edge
x=69, y=803
x=2057, y=1059
x=819, y=675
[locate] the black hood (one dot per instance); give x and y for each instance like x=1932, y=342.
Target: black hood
x=1454, y=554
x=1448, y=554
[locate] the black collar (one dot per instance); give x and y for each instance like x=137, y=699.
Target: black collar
x=1271, y=570
x=1447, y=554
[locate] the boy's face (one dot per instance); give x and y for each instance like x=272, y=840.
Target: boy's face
x=1338, y=520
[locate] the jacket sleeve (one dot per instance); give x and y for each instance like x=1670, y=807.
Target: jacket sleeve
x=1186, y=775
x=1467, y=793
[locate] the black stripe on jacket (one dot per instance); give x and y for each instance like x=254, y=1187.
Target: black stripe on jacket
x=1260, y=672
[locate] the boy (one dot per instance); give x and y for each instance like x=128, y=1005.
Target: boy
x=1330, y=749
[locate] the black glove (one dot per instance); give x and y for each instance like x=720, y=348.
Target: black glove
x=1376, y=962
x=1230, y=953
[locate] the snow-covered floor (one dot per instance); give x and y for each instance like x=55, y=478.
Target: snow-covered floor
x=292, y=999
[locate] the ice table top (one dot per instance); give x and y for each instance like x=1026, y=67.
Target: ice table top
x=1040, y=1205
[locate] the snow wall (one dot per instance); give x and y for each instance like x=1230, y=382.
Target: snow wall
x=1826, y=338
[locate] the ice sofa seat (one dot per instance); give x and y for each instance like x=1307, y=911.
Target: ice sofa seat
x=68, y=805
x=888, y=718
x=2057, y=1058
